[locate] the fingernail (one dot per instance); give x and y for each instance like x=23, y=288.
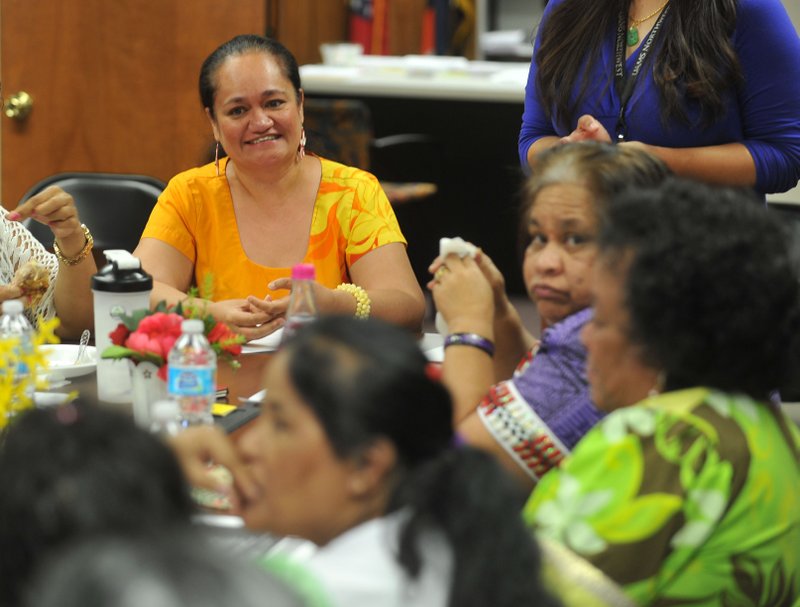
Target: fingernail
x=271, y=286
x=14, y=216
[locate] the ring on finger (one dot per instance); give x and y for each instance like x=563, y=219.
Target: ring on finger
x=440, y=272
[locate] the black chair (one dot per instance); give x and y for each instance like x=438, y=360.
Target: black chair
x=341, y=130
x=115, y=206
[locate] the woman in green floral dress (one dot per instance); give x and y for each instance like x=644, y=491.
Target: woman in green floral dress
x=688, y=492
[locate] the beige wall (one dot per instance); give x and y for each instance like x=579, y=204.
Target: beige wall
x=793, y=8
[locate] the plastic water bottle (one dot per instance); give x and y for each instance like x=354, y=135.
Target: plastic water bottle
x=15, y=327
x=192, y=375
x=165, y=416
x=302, y=307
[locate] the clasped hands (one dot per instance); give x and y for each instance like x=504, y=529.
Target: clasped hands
x=467, y=291
x=254, y=317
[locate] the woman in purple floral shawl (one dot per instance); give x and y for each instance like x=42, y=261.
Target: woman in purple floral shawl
x=524, y=400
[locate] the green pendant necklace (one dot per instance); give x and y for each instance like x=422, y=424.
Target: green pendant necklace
x=632, y=37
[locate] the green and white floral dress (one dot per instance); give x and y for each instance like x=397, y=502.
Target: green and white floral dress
x=688, y=498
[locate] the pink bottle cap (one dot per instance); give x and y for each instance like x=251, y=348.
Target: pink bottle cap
x=303, y=271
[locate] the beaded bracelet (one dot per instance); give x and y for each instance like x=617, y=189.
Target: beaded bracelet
x=470, y=339
x=363, y=304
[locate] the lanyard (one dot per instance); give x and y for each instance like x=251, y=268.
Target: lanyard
x=623, y=85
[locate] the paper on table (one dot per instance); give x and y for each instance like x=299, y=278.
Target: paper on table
x=431, y=345
x=268, y=343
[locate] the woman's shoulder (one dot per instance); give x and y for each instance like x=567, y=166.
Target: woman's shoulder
x=204, y=172
x=754, y=15
x=342, y=174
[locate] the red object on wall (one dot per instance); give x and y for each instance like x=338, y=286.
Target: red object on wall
x=368, y=25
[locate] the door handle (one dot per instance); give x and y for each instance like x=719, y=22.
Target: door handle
x=18, y=106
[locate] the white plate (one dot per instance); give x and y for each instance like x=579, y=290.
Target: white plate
x=61, y=359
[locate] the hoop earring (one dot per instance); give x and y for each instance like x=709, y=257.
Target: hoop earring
x=301, y=149
x=216, y=157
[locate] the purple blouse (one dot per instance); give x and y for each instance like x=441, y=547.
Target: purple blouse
x=764, y=115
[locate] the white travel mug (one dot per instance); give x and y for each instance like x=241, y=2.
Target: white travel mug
x=119, y=288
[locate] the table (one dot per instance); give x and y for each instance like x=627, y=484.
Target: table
x=420, y=77
x=241, y=383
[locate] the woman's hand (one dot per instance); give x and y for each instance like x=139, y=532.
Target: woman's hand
x=588, y=129
x=463, y=295
x=245, y=317
x=199, y=447
x=56, y=209
x=9, y=292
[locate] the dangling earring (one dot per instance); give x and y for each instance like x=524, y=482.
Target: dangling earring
x=216, y=157
x=301, y=150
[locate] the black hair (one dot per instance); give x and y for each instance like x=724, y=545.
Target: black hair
x=366, y=380
x=78, y=471
x=711, y=290
x=602, y=168
x=241, y=45
x=177, y=568
x=695, y=59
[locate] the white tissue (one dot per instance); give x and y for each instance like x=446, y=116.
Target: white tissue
x=452, y=246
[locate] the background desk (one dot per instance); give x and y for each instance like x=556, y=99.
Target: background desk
x=474, y=112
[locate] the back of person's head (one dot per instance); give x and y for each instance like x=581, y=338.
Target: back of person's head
x=366, y=380
x=76, y=471
x=711, y=290
x=171, y=570
x=602, y=168
x=240, y=45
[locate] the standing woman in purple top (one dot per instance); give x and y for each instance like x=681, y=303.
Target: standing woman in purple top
x=712, y=87
x=531, y=421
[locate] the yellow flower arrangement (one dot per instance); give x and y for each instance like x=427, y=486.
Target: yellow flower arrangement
x=14, y=397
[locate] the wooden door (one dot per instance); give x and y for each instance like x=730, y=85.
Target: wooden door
x=114, y=84
x=302, y=25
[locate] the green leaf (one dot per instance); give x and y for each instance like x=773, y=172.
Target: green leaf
x=117, y=352
x=639, y=518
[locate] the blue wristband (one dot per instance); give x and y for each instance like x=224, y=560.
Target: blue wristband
x=470, y=339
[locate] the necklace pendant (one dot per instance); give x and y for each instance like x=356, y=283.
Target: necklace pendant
x=632, y=38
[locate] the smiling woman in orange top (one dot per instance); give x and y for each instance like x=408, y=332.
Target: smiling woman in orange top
x=244, y=220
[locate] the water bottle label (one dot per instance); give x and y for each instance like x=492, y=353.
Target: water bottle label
x=190, y=381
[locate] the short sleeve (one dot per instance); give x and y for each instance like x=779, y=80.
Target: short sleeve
x=372, y=221
x=171, y=220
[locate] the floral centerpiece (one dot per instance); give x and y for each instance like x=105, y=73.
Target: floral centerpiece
x=15, y=391
x=148, y=335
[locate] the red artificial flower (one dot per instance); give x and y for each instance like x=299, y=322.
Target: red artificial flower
x=228, y=341
x=119, y=335
x=156, y=334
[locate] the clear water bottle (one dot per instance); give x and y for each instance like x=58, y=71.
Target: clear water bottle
x=166, y=418
x=302, y=307
x=192, y=375
x=15, y=327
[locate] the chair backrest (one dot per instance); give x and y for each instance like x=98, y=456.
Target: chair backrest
x=115, y=206
x=339, y=129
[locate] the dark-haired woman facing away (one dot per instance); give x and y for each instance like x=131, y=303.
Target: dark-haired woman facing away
x=711, y=87
x=354, y=450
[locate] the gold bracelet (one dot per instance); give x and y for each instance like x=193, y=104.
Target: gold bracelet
x=363, y=304
x=75, y=260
